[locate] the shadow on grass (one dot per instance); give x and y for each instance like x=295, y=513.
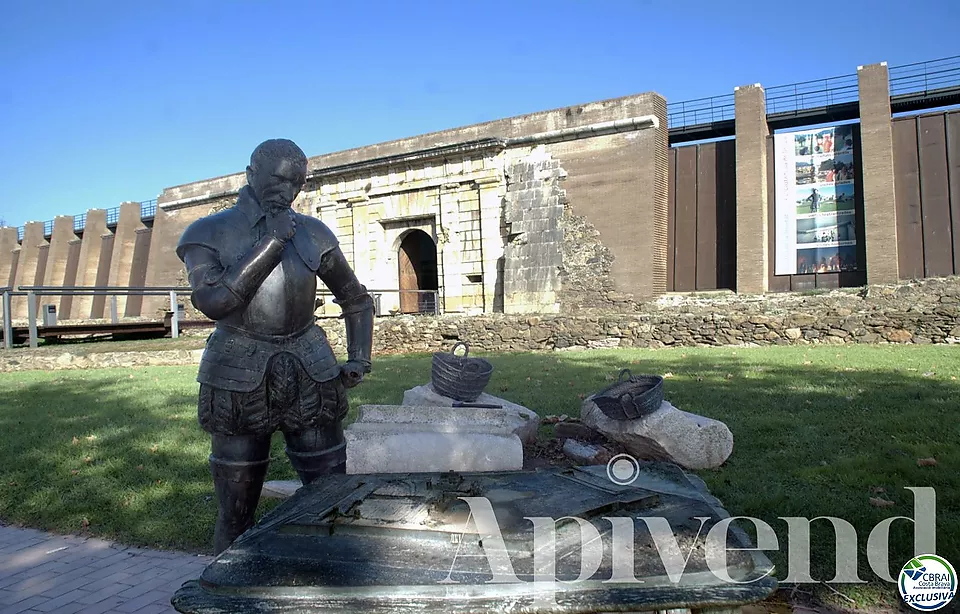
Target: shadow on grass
x=818, y=432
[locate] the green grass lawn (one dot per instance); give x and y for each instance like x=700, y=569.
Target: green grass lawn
x=818, y=432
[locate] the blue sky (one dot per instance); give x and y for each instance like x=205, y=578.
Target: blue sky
x=102, y=102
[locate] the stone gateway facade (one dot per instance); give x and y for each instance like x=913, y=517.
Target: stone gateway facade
x=544, y=213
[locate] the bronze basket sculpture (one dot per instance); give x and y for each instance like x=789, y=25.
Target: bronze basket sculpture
x=460, y=377
x=632, y=398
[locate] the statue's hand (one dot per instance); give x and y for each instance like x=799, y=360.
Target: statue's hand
x=351, y=373
x=283, y=225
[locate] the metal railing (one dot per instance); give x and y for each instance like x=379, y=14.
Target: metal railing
x=925, y=77
x=148, y=209
x=34, y=292
x=920, y=78
x=815, y=94
x=428, y=303
x=700, y=111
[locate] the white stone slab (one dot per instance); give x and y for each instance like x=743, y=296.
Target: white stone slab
x=415, y=448
x=524, y=422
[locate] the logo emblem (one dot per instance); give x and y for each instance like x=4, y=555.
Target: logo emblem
x=927, y=582
x=623, y=470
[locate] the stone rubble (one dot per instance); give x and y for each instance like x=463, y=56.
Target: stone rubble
x=920, y=312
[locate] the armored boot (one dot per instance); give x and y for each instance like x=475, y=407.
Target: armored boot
x=238, y=485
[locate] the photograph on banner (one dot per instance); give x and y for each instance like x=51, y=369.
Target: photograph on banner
x=844, y=196
x=833, y=169
x=826, y=259
x=824, y=198
x=806, y=171
x=803, y=144
x=827, y=228
x=814, y=142
x=843, y=139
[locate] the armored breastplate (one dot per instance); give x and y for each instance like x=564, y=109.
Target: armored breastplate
x=285, y=302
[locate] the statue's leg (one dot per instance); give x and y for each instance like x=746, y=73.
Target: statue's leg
x=314, y=430
x=239, y=465
x=239, y=426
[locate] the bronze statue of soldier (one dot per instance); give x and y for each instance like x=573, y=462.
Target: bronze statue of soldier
x=253, y=268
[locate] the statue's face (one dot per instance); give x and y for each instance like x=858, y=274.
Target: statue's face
x=276, y=183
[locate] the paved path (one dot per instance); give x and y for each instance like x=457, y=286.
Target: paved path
x=40, y=572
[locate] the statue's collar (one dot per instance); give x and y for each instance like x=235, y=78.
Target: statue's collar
x=249, y=207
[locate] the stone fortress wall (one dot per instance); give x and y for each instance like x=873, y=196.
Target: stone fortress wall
x=492, y=199
x=565, y=213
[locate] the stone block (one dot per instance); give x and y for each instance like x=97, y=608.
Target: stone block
x=541, y=213
x=670, y=434
x=417, y=448
x=552, y=236
x=522, y=422
x=584, y=453
x=535, y=225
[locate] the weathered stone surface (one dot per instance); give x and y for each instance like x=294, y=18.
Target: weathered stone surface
x=401, y=448
x=899, y=336
x=691, y=441
x=280, y=489
x=523, y=422
x=442, y=419
x=584, y=453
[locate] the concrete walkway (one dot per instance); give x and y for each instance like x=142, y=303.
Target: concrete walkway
x=41, y=572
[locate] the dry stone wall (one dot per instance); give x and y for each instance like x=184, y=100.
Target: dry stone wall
x=920, y=313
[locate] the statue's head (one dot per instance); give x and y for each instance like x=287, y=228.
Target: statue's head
x=277, y=172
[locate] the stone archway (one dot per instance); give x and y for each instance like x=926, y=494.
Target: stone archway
x=417, y=259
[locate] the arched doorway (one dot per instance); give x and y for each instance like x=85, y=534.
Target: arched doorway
x=418, y=271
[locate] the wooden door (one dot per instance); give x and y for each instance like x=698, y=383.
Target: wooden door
x=409, y=258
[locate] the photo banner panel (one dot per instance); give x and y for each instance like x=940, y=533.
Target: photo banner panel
x=815, y=196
